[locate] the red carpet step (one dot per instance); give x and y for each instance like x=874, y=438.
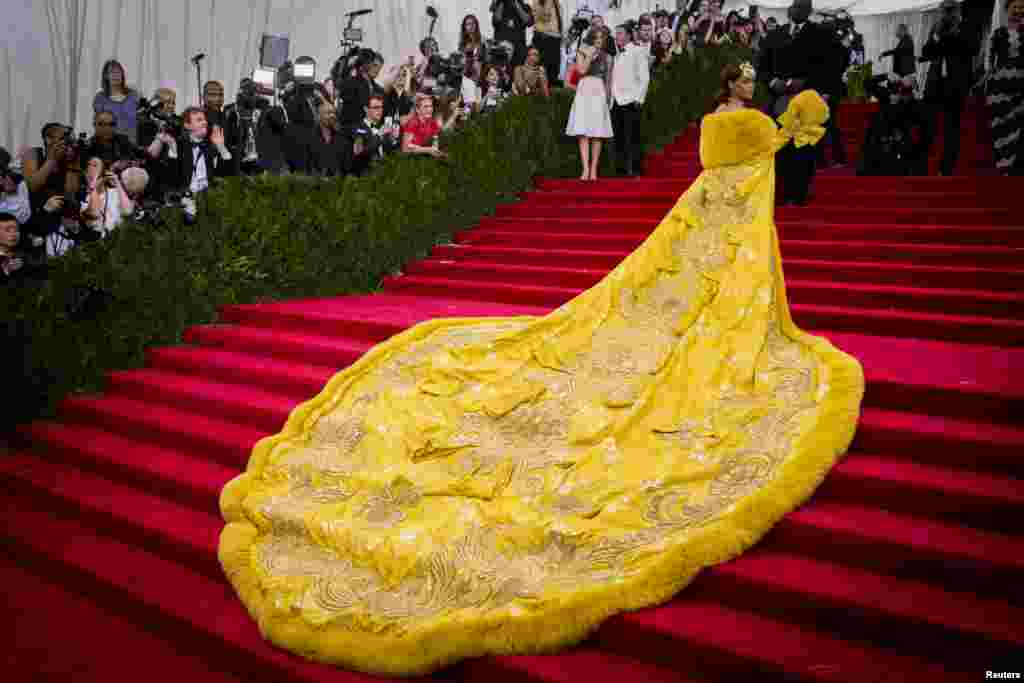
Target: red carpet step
x=905, y=566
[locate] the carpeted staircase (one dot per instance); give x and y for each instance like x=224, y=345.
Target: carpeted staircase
x=905, y=566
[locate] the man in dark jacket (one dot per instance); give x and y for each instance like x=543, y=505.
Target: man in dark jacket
x=950, y=51
x=904, y=62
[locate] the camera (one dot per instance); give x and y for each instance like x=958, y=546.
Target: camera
x=580, y=25
x=152, y=112
x=498, y=53
x=248, y=96
x=447, y=73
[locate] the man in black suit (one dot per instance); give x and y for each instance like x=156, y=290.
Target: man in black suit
x=356, y=90
x=801, y=55
x=195, y=158
x=950, y=50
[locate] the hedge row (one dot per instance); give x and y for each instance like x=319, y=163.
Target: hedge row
x=268, y=238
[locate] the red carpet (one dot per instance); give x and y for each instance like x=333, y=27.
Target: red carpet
x=905, y=566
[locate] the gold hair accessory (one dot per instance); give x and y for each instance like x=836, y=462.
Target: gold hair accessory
x=747, y=69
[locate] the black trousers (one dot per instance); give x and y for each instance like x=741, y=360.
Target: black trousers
x=628, y=147
x=794, y=169
x=550, y=55
x=833, y=136
x=951, y=106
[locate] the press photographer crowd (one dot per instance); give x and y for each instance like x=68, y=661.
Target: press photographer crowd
x=143, y=157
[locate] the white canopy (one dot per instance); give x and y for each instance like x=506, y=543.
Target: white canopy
x=51, y=51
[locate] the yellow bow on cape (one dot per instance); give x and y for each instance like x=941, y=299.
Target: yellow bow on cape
x=802, y=121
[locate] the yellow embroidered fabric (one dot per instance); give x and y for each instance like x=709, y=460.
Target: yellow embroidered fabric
x=503, y=485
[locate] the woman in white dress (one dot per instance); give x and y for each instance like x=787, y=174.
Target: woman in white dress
x=590, y=119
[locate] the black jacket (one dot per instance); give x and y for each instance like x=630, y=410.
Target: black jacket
x=955, y=49
x=326, y=158
x=904, y=63
x=186, y=163
x=817, y=57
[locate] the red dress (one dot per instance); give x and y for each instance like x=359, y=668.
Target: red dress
x=422, y=130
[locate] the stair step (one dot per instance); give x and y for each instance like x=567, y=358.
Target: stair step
x=175, y=531
x=1005, y=305
x=226, y=442
x=812, y=213
x=172, y=473
x=665, y=200
x=237, y=402
x=334, y=351
x=947, y=554
x=164, y=528
x=149, y=589
x=627, y=233
x=979, y=500
x=955, y=629
x=889, y=253
x=899, y=184
x=95, y=645
x=298, y=380
x=863, y=272
x=737, y=645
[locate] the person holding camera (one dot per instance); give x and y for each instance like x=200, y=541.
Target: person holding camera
x=55, y=168
x=195, y=158
x=511, y=18
x=112, y=147
x=356, y=90
x=950, y=51
x=106, y=201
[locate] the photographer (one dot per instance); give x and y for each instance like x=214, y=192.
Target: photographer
x=108, y=145
x=242, y=125
x=55, y=168
x=193, y=160
x=893, y=142
x=106, y=201
x=355, y=91
x=950, y=50
x=373, y=138
x=511, y=18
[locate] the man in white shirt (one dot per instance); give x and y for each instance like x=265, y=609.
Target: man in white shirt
x=631, y=76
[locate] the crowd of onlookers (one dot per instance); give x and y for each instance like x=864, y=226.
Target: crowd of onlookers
x=142, y=154
x=145, y=153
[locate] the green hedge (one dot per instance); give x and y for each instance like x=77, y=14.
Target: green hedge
x=267, y=238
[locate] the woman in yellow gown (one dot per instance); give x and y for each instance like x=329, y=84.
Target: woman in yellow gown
x=502, y=485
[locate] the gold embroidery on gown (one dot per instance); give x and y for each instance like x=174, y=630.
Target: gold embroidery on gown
x=478, y=486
